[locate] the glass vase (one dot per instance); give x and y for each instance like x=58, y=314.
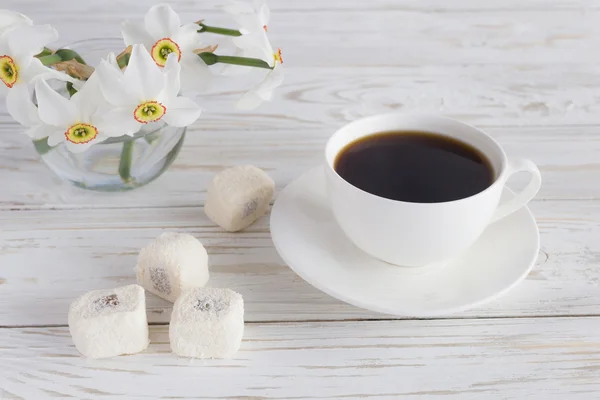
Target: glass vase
x=120, y=163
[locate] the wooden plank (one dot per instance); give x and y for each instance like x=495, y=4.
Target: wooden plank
x=482, y=359
x=48, y=258
x=339, y=38
x=320, y=97
x=567, y=157
x=341, y=6
x=519, y=67
x=322, y=92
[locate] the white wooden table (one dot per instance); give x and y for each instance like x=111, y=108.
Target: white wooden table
x=526, y=71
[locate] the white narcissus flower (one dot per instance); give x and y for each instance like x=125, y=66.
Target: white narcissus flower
x=21, y=107
x=79, y=122
x=252, y=17
x=10, y=19
x=254, y=45
x=262, y=92
x=257, y=45
x=18, y=65
x=162, y=34
x=144, y=93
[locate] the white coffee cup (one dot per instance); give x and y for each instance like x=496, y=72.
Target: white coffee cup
x=419, y=234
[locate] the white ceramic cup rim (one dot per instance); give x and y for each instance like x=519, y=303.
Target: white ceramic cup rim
x=500, y=156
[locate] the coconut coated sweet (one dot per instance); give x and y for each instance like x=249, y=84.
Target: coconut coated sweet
x=238, y=196
x=172, y=263
x=207, y=323
x=110, y=322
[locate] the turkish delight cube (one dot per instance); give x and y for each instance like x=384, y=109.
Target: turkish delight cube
x=238, y=196
x=172, y=263
x=110, y=322
x=207, y=323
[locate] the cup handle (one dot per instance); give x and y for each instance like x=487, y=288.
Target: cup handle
x=523, y=197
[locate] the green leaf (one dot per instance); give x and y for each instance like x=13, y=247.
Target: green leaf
x=123, y=61
x=50, y=59
x=45, y=52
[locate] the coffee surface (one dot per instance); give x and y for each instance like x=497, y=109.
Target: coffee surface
x=418, y=167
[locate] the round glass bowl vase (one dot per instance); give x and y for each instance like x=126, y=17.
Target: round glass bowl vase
x=120, y=163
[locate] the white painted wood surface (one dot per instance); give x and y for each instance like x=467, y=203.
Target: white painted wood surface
x=526, y=71
x=566, y=155
x=51, y=257
x=470, y=359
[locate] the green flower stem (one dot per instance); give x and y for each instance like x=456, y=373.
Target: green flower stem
x=41, y=146
x=49, y=57
x=211, y=58
x=71, y=89
x=58, y=56
x=218, y=31
x=125, y=162
x=68, y=54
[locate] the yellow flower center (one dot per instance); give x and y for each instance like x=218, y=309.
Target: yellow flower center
x=81, y=133
x=277, y=56
x=9, y=74
x=150, y=111
x=161, y=50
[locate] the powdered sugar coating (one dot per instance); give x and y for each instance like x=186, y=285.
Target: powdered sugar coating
x=110, y=322
x=172, y=263
x=238, y=196
x=207, y=323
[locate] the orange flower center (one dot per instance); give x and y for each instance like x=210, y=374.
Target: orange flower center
x=278, y=57
x=150, y=111
x=81, y=133
x=161, y=50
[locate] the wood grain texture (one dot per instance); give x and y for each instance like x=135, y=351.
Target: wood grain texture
x=567, y=157
x=481, y=359
x=50, y=258
x=210, y=7
x=337, y=34
x=526, y=71
x=521, y=68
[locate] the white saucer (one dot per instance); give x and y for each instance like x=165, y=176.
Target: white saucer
x=311, y=243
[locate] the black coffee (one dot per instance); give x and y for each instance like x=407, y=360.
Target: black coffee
x=418, y=167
